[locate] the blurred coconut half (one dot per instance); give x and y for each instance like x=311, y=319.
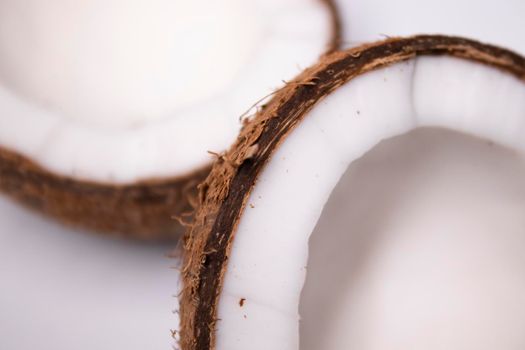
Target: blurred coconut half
x=108, y=108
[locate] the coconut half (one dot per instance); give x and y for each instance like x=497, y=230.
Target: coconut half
x=246, y=255
x=108, y=108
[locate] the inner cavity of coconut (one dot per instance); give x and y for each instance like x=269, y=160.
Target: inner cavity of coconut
x=269, y=258
x=123, y=62
x=420, y=246
x=120, y=90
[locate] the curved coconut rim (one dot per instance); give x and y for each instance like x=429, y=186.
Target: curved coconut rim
x=142, y=209
x=224, y=193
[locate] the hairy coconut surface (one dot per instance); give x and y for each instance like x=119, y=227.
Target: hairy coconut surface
x=247, y=250
x=108, y=108
x=143, y=210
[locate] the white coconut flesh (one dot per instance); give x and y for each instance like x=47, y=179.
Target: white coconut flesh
x=267, y=267
x=420, y=246
x=119, y=91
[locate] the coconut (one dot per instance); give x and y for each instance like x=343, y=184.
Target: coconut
x=246, y=253
x=109, y=108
